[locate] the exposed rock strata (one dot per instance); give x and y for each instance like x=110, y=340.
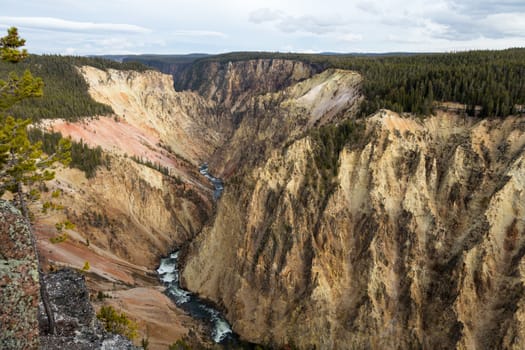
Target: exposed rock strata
x=232, y=84
x=184, y=122
x=129, y=215
x=419, y=245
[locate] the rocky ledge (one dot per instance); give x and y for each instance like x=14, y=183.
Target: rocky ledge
x=77, y=325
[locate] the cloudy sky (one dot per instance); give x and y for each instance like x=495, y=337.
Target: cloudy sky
x=185, y=26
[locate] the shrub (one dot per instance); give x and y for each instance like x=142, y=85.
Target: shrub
x=115, y=322
x=59, y=226
x=58, y=238
x=69, y=225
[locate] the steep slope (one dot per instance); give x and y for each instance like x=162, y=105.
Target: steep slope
x=269, y=120
x=130, y=214
x=418, y=242
x=159, y=128
x=232, y=84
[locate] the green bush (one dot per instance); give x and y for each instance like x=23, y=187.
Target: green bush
x=115, y=322
x=69, y=225
x=59, y=238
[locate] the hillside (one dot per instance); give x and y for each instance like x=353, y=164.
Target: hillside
x=65, y=90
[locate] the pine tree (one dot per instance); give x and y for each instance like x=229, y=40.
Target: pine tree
x=22, y=163
x=9, y=46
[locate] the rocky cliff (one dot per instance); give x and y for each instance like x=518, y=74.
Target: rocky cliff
x=414, y=240
x=232, y=84
x=77, y=325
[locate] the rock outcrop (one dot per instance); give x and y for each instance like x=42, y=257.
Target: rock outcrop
x=19, y=287
x=77, y=325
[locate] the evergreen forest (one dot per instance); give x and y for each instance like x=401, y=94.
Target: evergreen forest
x=65, y=90
x=486, y=83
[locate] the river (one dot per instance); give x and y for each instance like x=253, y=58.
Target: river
x=169, y=274
x=217, y=183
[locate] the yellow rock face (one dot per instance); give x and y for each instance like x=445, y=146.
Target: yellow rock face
x=419, y=244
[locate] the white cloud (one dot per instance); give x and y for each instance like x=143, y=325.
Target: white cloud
x=310, y=24
x=318, y=24
x=160, y=26
x=350, y=37
x=507, y=23
x=265, y=15
x=199, y=33
x=57, y=24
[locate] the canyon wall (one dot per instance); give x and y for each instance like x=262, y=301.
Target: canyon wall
x=414, y=241
x=147, y=198
x=232, y=84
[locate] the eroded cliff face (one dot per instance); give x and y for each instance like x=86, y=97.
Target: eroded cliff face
x=130, y=209
x=232, y=84
x=418, y=241
x=182, y=122
x=271, y=120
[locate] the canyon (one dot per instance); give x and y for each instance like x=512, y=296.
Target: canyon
x=333, y=232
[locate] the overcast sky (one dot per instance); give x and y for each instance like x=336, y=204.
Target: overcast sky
x=185, y=26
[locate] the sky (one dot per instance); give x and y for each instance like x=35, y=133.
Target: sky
x=200, y=26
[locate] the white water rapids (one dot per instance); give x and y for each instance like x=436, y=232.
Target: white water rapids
x=169, y=274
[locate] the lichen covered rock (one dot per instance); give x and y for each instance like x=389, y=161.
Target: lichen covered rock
x=19, y=288
x=77, y=325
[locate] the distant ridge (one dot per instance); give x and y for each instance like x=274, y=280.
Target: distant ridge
x=186, y=58
x=370, y=54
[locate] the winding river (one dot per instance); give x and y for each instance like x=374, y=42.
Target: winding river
x=169, y=274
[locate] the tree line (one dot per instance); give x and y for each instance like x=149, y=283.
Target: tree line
x=65, y=91
x=83, y=157
x=488, y=83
